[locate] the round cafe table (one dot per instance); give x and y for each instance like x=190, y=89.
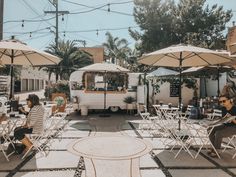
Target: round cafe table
x=107, y=156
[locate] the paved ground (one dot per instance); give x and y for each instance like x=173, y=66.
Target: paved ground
x=158, y=163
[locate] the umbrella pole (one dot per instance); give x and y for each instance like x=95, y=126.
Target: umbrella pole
x=180, y=88
x=205, y=86
x=11, y=73
x=218, y=81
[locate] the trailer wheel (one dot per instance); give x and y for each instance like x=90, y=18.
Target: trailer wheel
x=114, y=108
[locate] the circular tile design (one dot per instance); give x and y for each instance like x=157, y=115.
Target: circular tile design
x=110, y=147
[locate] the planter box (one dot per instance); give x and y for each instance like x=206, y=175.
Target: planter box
x=129, y=106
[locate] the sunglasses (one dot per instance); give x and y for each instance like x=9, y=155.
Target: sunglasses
x=222, y=101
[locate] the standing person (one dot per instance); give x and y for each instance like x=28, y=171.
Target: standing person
x=34, y=121
x=226, y=129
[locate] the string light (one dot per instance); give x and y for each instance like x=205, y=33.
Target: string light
x=64, y=34
x=108, y=9
x=30, y=34
x=22, y=25
x=41, y=31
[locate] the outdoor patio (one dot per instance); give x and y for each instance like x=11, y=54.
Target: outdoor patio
x=158, y=163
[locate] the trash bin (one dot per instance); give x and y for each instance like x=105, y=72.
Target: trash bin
x=84, y=110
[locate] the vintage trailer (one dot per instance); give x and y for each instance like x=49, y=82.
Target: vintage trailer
x=104, y=86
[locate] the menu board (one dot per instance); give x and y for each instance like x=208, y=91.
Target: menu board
x=174, y=89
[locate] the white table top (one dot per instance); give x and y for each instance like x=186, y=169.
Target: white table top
x=110, y=147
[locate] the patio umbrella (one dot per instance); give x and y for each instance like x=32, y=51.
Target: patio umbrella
x=184, y=56
x=14, y=52
x=162, y=72
x=202, y=71
x=104, y=68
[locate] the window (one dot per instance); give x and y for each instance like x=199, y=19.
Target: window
x=24, y=85
x=111, y=81
x=31, y=84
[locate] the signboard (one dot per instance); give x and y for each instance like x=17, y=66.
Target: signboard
x=174, y=89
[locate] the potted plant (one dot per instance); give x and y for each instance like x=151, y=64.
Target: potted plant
x=129, y=101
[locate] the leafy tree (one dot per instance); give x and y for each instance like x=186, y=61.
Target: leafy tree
x=164, y=23
x=201, y=25
x=116, y=49
x=72, y=59
x=7, y=68
x=155, y=20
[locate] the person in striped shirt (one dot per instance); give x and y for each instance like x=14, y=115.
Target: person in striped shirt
x=34, y=121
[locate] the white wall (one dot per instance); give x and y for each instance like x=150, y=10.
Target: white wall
x=164, y=94
x=211, y=85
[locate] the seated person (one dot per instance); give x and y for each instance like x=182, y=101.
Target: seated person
x=22, y=110
x=34, y=121
x=226, y=129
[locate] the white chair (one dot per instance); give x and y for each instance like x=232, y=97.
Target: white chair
x=139, y=110
x=69, y=108
x=56, y=125
x=216, y=114
x=201, y=137
x=183, y=138
x=232, y=144
x=5, y=139
x=37, y=139
x=145, y=124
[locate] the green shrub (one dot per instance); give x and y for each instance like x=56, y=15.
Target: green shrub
x=60, y=87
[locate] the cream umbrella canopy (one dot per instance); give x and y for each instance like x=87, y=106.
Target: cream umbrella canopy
x=14, y=52
x=184, y=56
x=102, y=67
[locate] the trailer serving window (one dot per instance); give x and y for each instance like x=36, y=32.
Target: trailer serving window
x=99, y=81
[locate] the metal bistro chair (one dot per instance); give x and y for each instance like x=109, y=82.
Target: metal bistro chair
x=216, y=114
x=232, y=144
x=5, y=139
x=37, y=139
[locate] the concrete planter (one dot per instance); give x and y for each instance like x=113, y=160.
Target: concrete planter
x=84, y=110
x=129, y=106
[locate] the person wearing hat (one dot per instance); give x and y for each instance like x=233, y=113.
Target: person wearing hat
x=34, y=121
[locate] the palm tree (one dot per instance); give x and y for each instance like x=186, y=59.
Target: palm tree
x=72, y=59
x=116, y=49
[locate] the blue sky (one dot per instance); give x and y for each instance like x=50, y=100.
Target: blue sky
x=90, y=26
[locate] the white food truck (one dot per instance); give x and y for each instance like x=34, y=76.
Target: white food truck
x=104, y=86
